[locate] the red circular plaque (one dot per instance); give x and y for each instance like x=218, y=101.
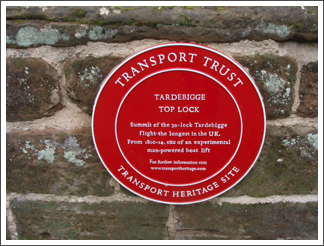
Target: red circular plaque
x=178, y=123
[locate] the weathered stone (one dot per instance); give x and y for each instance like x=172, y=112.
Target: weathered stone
x=96, y=221
x=253, y=222
x=275, y=77
x=308, y=91
x=55, y=162
x=288, y=164
x=32, y=89
x=83, y=79
x=8, y=233
x=67, y=26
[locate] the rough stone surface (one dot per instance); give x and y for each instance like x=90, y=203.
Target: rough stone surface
x=288, y=164
x=275, y=77
x=67, y=26
x=8, y=233
x=82, y=221
x=83, y=78
x=247, y=222
x=55, y=162
x=32, y=89
x=66, y=163
x=56, y=185
x=308, y=91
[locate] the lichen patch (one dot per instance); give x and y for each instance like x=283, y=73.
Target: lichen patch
x=272, y=82
x=31, y=36
x=99, y=32
x=104, y=11
x=92, y=74
x=73, y=153
x=313, y=140
x=307, y=146
x=278, y=89
x=281, y=31
x=48, y=153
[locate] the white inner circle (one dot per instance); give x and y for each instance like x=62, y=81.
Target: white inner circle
x=168, y=70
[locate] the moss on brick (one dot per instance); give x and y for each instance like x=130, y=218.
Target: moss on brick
x=186, y=21
x=80, y=13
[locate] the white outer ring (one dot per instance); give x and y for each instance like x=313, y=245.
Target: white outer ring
x=195, y=46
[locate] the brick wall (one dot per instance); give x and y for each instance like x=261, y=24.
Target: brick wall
x=56, y=186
